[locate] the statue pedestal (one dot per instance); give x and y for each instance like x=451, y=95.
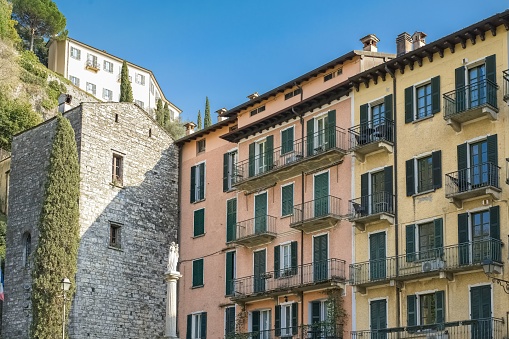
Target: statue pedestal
x=171, y=304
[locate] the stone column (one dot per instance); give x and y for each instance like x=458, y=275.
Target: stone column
x=171, y=304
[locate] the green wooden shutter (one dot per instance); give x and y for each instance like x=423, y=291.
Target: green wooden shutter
x=409, y=104
x=364, y=114
x=388, y=188
x=193, y=184
x=440, y=307
x=491, y=76
x=198, y=272
x=202, y=181
x=269, y=152
x=255, y=321
x=495, y=222
x=277, y=320
x=204, y=325
x=436, y=159
x=287, y=200
x=435, y=95
x=277, y=264
x=189, y=326
x=225, y=172
x=462, y=167
x=287, y=140
x=315, y=312
x=330, y=132
x=310, y=125
x=411, y=303
x=365, y=198
x=295, y=307
x=410, y=177
x=230, y=320
x=410, y=243
x=230, y=264
x=388, y=107
x=459, y=75
x=199, y=222
x=492, y=149
x=439, y=234
x=251, y=170
x=293, y=247
x=231, y=219
x=464, y=245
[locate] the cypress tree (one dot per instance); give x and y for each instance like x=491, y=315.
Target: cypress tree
x=126, y=91
x=57, y=251
x=207, y=120
x=159, y=112
x=166, y=114
x=198, y=125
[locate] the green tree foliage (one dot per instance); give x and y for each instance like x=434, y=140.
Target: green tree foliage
x=7, y=25
x=198, y=124
x=166, y=114
x=15, y=117
x=57, y=251
x=3, y=230
x=39, y=18
x=126, y=91
x=175, y=128
x=159, y=112
x=207, y=120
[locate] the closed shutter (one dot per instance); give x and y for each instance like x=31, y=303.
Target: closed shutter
x=204, y=325
x=277, y=320
x=293, y=247
x=409, y=104
x=225, y=172
x=439, y=235
x=189, y=326
x=330, y=132
x=388, y=188
x=460, y=92
x=464, y=245
x=310, y=125
x=435, y=95
x=231, y=220
x=388, y=107
x=492, y=149
x=495, y=233
x=277, y=264
x=410, y=177
x=269, y=152
x=440, y=307
x=364, y=109
x=462, y=168
x=230, y=320
x=193, y=184
x=230, y=270
x=255, y=321
x=491, y=76
x=294, y=318
x=199, y=222
x=436, y=159
x=202, y=181
x=198, y=272
x=411, y=303
x=410, y=243
x=365, y=192
x=287, y=200
x=251, y=170
x=287, y=140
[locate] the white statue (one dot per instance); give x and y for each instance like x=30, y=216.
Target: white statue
x=173, y=257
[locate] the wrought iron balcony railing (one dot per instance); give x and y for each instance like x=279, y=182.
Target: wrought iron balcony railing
x=265, y=224
x=320, y=330
x=472, y=178
x=369, y=132
x=488, y=328
x=468, y=97
x=315, y=209
x=93, y=64
x=381, y=202
x=505, y=75
x=282, y=280
x=452, y=258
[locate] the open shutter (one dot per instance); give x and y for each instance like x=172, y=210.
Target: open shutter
x=255, y=321
x=388, y=188
x=436, y=159
x=202, y=181
x=251, y=170
x=462, y=167
x=277, y=321
x=231, y=219
x=439, y=235
x=315, y=312
x=225, y=172
x=364, y=192
x=492, y=149
x=495, y=233
x=189, y=326
x=459, y=75
x=269, y=152
x=277, y=265
x=331, y=130
x=464, y=245
x=410, y=243
x=410, y=177
x=193, y=184
x=435, y=95
x=230, y=320
x=491, y=76
x=364, y=109
x=293, y=247
x=295, y=307
x=230, y=262
x=388, y=107
x=204, y=325
x=411, y=304
x=440, y=307
x=310, y=125
x=409, y=104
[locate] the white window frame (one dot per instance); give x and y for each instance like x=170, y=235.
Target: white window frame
x=196, y=325
x=76, y=56
x=286, y=311
x=108, y=69
x=282, y=267
x=196, y=174
x=260, y=165
x=418, y=296
x=416, y=172
x=232, y=163
x=140, y=79
x=93, y=87
x=323, y=310
x=106, y=96
x=74, y=80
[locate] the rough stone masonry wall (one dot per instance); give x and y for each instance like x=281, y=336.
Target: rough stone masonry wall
x=121, y=292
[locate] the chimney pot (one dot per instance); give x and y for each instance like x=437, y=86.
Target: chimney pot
x=403, y=43
x=219, y=114
x=369, y=43
x=418, y=40
x=189, y=128
x=253, y=96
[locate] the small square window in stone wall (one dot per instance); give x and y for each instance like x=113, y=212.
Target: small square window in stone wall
x=115, y=235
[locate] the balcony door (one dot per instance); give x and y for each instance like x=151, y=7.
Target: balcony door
x=377, y=192
x=320, y=257
x=377, y=256
x=260, y=222
x=479, y=164
x=477, y=85
x=321, y=192
x=260, y=157
x=260, y=324
x=480, y=310
x=259, y=269
x=378, y=318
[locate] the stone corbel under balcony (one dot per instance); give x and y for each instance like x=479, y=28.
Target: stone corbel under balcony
x=456, y=122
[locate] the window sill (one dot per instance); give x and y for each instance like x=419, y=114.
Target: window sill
x=199, y=286
x=115, y=248
x=286, y=216
x=198, y=236
x=422, y=119
x=423, y=192
x=116, y=185
x=197, y=201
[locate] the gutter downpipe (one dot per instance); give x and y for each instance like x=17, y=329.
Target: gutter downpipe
x=396, y=227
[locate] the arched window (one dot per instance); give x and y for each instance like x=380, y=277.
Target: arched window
x=27, y=248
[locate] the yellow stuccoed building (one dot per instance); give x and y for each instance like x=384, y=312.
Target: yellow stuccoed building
x=430, y=203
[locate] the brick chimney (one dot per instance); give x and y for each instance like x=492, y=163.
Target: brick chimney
x=403, y=43
x=418, y=40
x=189, y=128
x=219, y=113
x=369, y=43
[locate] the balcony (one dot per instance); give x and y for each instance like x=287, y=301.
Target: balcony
x=371, y=208
x=320, y=330
x=316, y=215
x=321, y=149
x=473, y=182
x=506, y=85
x=441, y=262
x=488, y=328
x=312, y=276
x=470, y=102
x=93, y=65
x=256, y=231
x=368, y=138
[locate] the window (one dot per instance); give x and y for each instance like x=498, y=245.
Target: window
x=257, y=110
x=200, y=146
x=108, y=66
x=376, y=193
x=107, y=94
x=140, y=79
x=287, y=140
x=286, y=318
x=423, y=100
x=229, y=322
x=287, y=200
x=424, y=174
x=91, y=88
x=261, y=156
x=230, y=272
x=75, y=53
x=198, y=273
x=117, y=170
x=151, y=87
x=198, y=182
x=75, y=81
x=92, y=62
x=285, y=260
x=199, y=222
x=115, y=235
x=292, y=93
x=318, y=315
x=27, y=249
x=260, y=323
x=139, y=103
x=426, y=309
x=321, y=133
x=197, y=326
x=229, y=170
x=425, y=241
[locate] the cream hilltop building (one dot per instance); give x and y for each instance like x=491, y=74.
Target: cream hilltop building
x=98, y=73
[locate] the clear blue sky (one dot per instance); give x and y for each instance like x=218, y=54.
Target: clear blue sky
x=227, y=49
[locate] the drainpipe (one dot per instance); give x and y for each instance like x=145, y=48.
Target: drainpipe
x=396, y=227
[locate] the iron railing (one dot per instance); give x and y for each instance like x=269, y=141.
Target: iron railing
x=487, y=328
x=449, y=258
x=469, y=179
x=470, y=96
x=320, y=330
x=311, y=145
x=381, y=202
x=93, y=64
x=311, y=273
x=368, y=132
x=316, y=208
x=505, y=75
x=264, y=224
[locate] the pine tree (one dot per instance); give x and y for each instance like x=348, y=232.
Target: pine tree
x=198, y=125
x=126, y=91
x=57, y=251
x=159, y=112
x=207, y=120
